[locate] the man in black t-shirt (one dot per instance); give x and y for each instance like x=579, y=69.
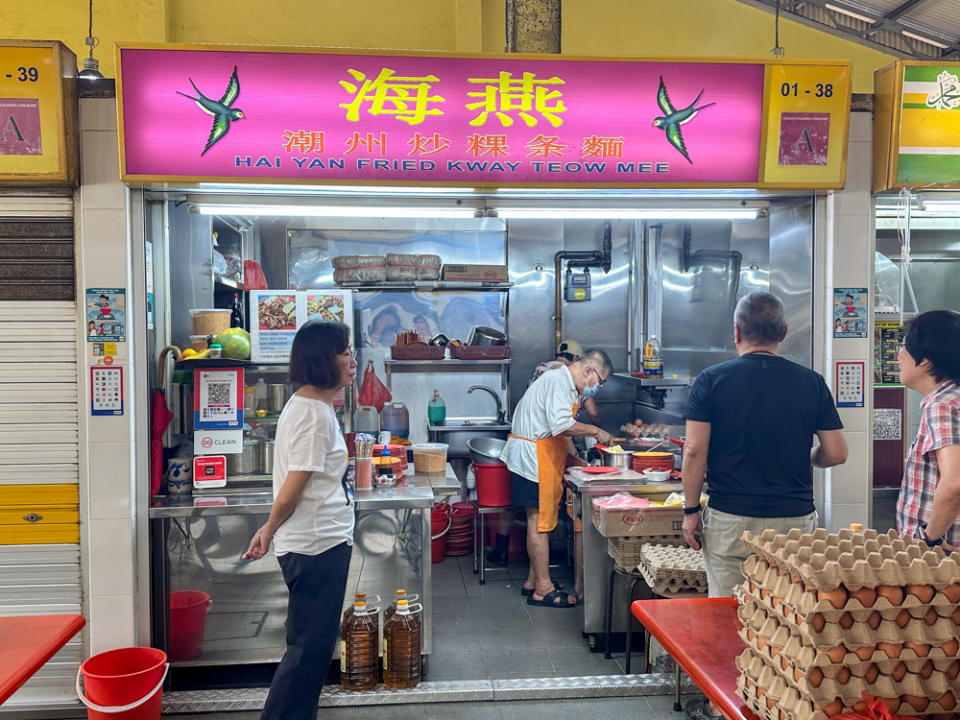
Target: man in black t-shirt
x=750, y=424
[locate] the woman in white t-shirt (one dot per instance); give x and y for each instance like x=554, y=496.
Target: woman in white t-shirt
x=311, y=521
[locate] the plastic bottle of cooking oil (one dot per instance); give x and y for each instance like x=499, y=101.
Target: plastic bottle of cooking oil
x=361, y=596
x=392, y=608
x=652, y=358
x=358, y=649
x=401, y=647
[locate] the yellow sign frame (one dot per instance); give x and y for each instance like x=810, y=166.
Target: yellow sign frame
x=45, y=72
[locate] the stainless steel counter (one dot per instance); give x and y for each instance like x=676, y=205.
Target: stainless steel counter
x=596, y=561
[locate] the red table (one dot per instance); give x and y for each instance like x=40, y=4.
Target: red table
x=701, y=635
x=27, y=642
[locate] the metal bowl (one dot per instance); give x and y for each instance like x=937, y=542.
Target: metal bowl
x=485, y=449
x=617, y=459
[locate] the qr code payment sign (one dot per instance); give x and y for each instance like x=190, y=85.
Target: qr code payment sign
x=218, y=401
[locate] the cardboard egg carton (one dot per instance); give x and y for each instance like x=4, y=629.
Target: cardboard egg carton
x=762, y=617
x=855, y=560
x=822, y=684
x=764, y=579
x=673, y=587
x=625, y=551
x=680, y=563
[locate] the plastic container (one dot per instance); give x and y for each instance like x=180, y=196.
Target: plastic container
x=401, y=647
x=210, y=321
x=216, y=351
x=124, y=684
x=493, y=484
x=440, y=523
x=430, y=457
x=188, y=619
x=199, y=342
x=436, y=409
x=366, y=419
x=395, y=418
x=358, y=649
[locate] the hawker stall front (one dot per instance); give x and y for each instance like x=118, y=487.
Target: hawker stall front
x=468, y=218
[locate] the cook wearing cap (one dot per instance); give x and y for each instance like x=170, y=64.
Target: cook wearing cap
x=536, y=454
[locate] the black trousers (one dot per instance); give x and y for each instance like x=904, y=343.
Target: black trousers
x=317, y=584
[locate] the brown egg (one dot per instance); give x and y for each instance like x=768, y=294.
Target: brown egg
x=921, y=649
x=927, y=669
x=837, y=654
x=751, y=633
x=903, y=617
x=775, y=600
x=761, y=642
x=931, y=617
x=843, y=676
x=950, y=648
x=891, y=650
x=917, y=702
x=837, y=598
x=748, y=681
x=874, y=620
x=761, y=691
x=846, y=621
x=771, y=703
x=784, y=663
x=924, y=593
x=764, y=592
x=834, y=708
x=893, y=593
x=870, y=676
x=753, y=586
x=947, y=701
x=774, y=650
x=952, y=592
x=956, y=616
x=860, y=706
x=893, y=703
x=899, y=671
x=815, y=676
x=817, y=622
x=865, y=652
x=953, y=669
x=865, y=595
x=797, y=675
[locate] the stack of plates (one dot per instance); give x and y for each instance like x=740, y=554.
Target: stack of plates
x=460, y=536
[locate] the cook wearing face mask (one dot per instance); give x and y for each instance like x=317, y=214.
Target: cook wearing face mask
x=568, y=352
x=536, y=455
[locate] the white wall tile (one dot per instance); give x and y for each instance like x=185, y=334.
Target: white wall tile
x=842, y=514
x=111, y=622
x=854, y=419
x=861, y=126
x=98, y=114
x=109, y=480
x=853, y=202
x=103, y=233
x=100, y=170
x=852, y=260
x=859, y=167
x=850, y=482
x=111, y=557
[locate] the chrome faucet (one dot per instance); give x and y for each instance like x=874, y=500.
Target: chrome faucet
x=501, y=417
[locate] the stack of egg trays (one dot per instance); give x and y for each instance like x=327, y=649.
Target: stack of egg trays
x=829, y=615
x=673, y=571
x=625, y=551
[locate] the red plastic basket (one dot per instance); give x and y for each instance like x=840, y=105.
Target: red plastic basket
x=481, y=352
x=416, y=352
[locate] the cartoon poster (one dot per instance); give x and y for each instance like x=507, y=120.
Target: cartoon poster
x=850, y=312
x=106, y=315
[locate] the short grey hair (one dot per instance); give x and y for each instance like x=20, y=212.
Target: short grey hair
x=759, y=315
x=598, y=359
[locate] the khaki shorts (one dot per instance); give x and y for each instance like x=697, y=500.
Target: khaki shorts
x=723, y=551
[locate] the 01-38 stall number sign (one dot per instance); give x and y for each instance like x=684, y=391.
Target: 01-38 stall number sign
x=849, y=384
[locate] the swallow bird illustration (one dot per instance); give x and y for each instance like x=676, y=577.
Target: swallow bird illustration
x=672, y=119
x=222, y=113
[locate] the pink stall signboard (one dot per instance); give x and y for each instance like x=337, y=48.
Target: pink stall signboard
x=308, y=117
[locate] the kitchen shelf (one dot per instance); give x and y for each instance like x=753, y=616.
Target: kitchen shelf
x=505, y=361
x=228, y=362
x=655, y=382
x=226, y=282
x=432, y=285
x=403, y=365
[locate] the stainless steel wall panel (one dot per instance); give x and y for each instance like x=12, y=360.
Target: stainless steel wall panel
x=791, y=273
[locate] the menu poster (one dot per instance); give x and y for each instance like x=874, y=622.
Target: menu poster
x=887, y=336
x=276, y=315
x=106, y=315
x=218, y=398
x=850, y=312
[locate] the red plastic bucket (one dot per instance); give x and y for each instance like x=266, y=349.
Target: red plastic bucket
x=124, y=684
x=493, y=484
x=440, y=522
x=188, y=617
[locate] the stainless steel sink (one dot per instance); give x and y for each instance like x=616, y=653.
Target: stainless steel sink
x=457, y=431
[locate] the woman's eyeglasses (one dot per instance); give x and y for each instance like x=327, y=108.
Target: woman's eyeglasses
x=349, y=353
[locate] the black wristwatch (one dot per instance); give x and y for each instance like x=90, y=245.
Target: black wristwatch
x=922, y=534
x=692, y=510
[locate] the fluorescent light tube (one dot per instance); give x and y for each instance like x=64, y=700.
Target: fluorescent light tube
x=941, y=205
x=348, y=211
x=561, y=213
x=927, y=40
x=850, y=13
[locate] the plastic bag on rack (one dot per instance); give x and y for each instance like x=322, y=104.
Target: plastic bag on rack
x=876, y=709
x=373, y=392
x=253, y=277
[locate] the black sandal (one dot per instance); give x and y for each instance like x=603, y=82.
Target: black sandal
x=528, y=592
x=549, y=600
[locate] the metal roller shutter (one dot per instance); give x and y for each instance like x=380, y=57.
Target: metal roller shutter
x=39, y=427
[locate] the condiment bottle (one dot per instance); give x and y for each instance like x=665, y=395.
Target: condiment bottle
x=652, y=358
x=386, y=462
x=401, y=648
x=436, y=409
x=358, y=649
x=215, y=351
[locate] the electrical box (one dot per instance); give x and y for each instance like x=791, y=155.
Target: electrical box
x=576, y=286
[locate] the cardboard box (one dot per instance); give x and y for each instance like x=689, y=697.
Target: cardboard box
x=633, y=522
x=476, y=273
